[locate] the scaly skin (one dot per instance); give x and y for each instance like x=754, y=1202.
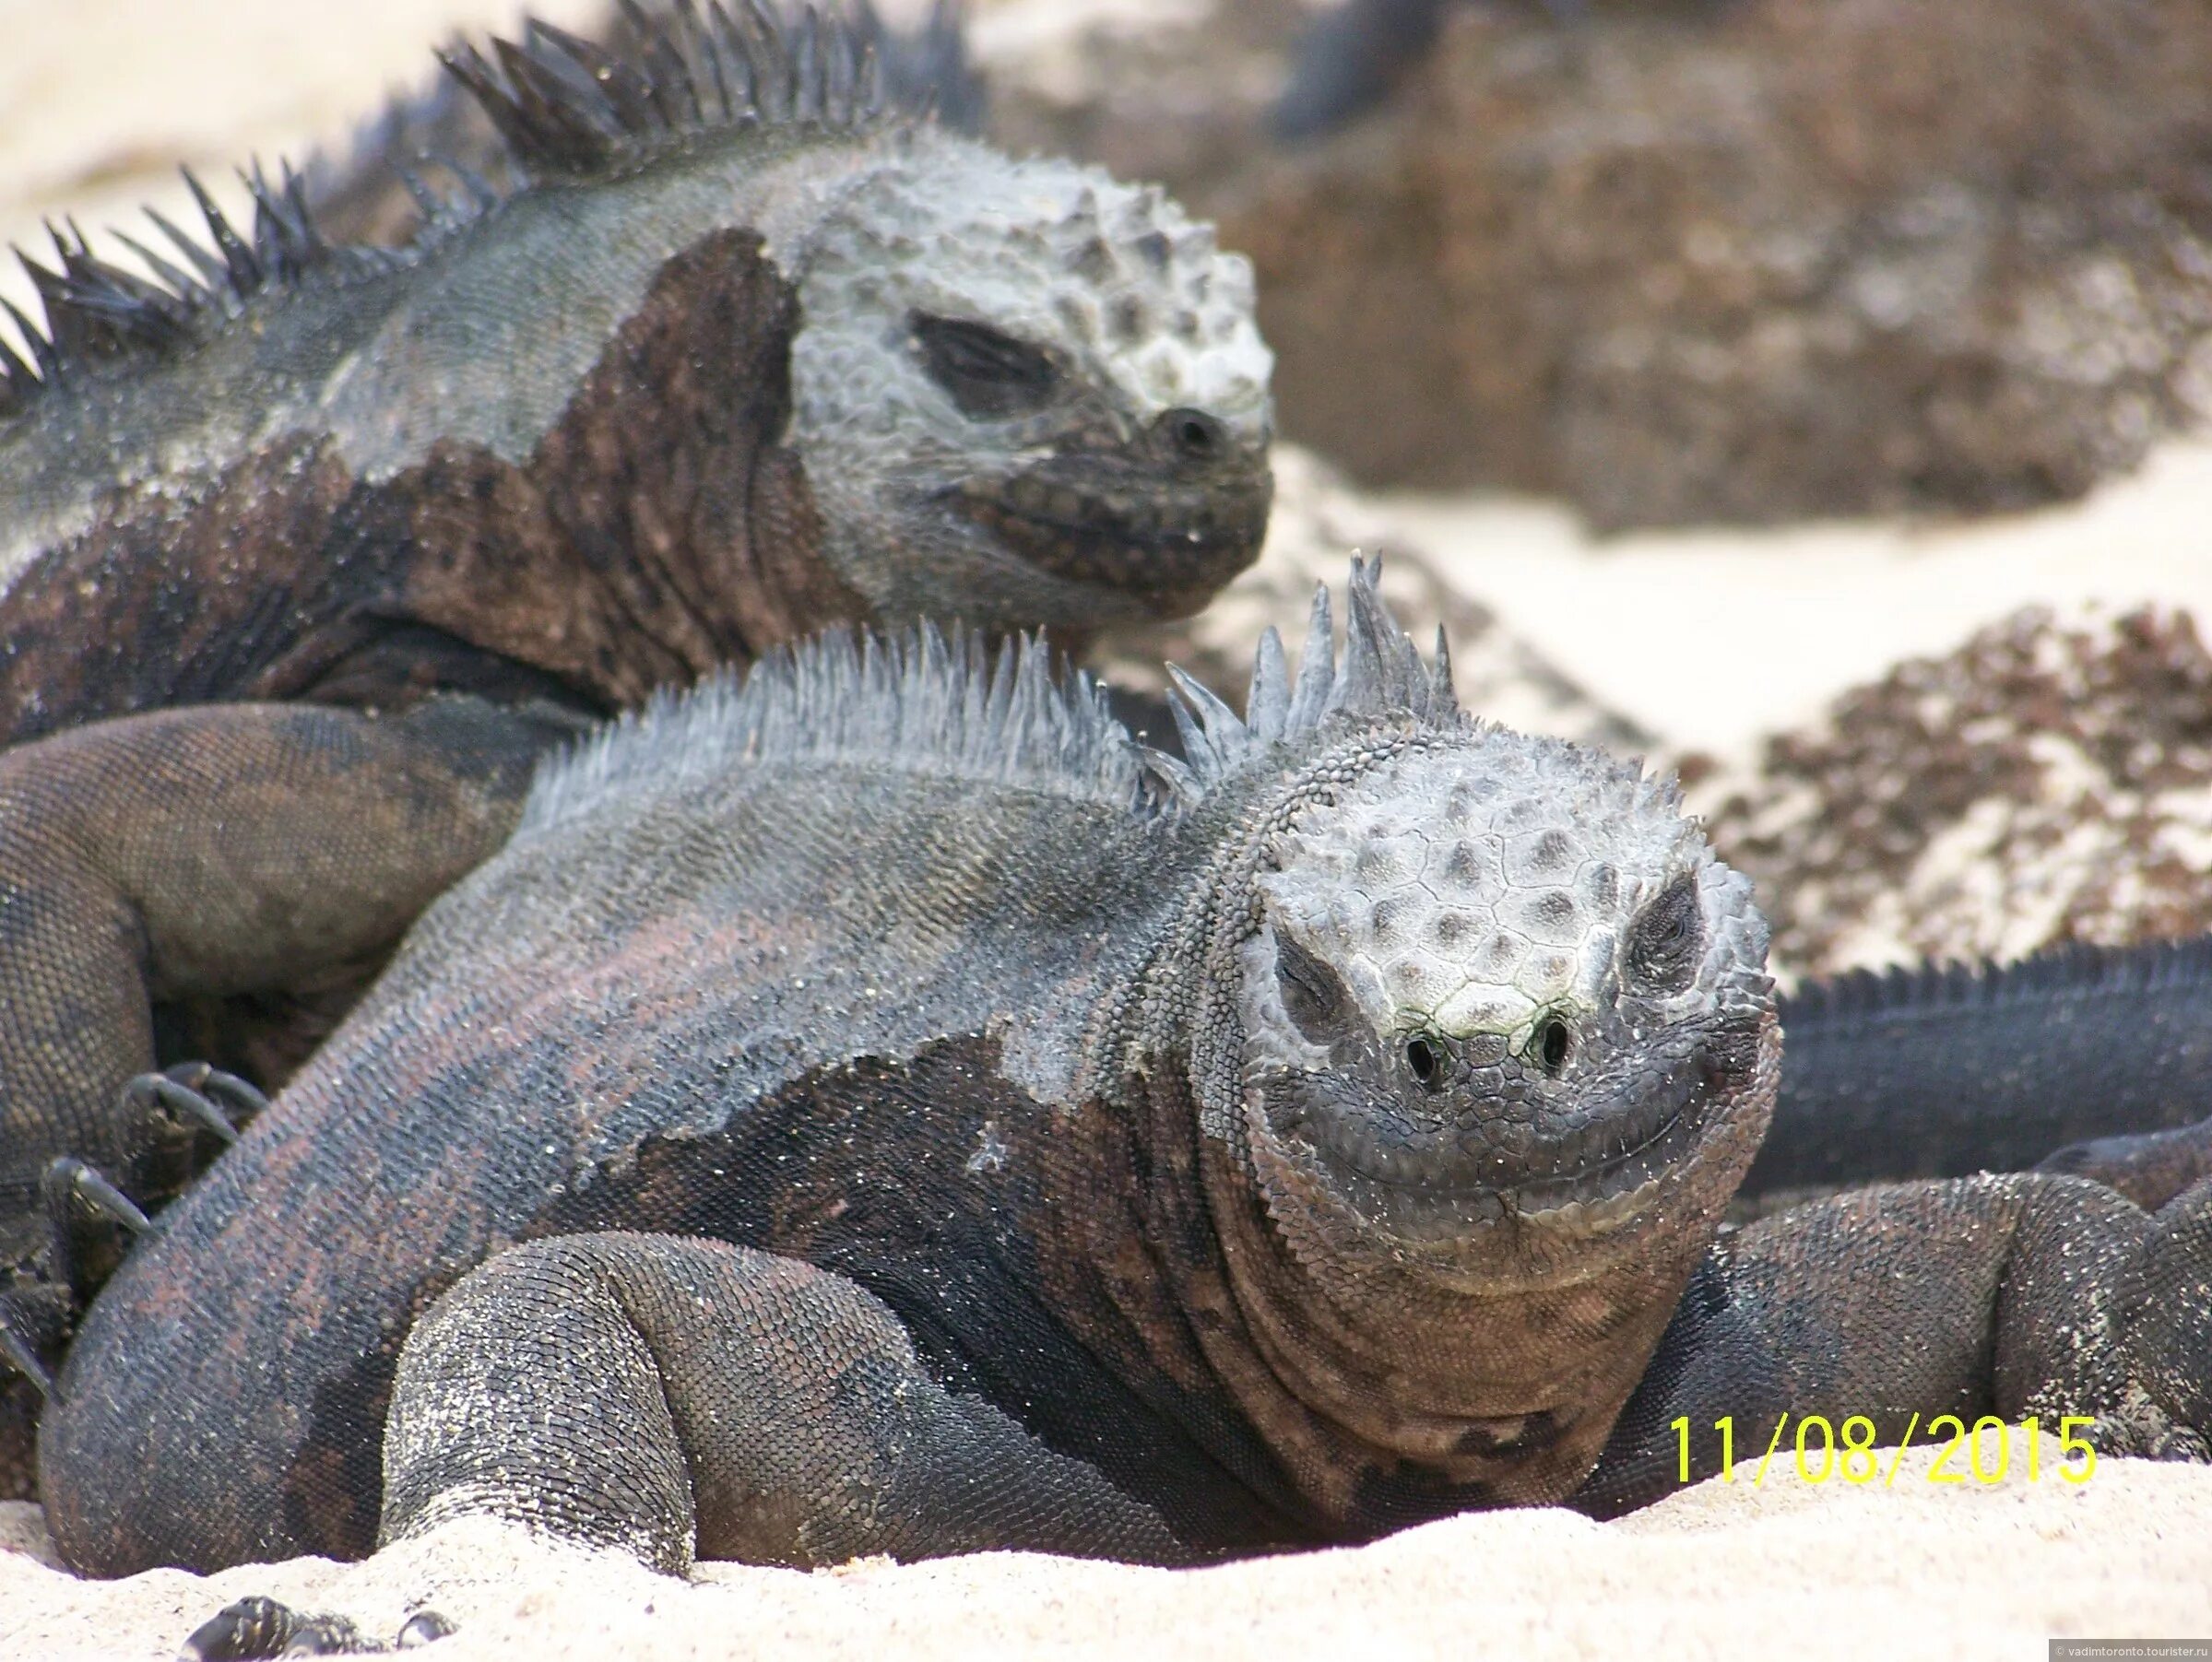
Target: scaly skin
x=2086, y=1059
x=705, y=384
x=933, y=1123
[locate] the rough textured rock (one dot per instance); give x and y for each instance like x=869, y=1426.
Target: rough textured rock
x=1679, y=264
x=2050, y=780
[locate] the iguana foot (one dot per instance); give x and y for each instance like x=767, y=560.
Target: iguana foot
x=38, y=1312
x=261, y=1627
x=176, y=1112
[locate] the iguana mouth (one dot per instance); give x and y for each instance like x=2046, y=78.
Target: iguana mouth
x=1168, y=542
x=1432, y=1181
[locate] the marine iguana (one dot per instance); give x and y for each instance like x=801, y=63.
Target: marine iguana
x=342, y=537
x=919, y=1119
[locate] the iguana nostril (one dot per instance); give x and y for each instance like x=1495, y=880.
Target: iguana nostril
x=1195, y=436
x=1553, y=1044
x=1421, y=1058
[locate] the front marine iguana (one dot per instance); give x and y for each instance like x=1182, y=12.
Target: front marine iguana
x=932, y=1122
x=346, y=536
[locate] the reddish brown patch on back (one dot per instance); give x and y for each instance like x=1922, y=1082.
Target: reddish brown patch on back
x=657, y=532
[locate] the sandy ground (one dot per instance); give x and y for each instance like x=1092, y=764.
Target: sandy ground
x=1913, y=1570
x=1707, y=639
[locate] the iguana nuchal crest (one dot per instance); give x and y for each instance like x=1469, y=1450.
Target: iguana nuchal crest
x=747, y=355
x=933, y=1122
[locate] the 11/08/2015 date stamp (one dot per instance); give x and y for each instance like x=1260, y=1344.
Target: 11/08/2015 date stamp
x=1849, y=1453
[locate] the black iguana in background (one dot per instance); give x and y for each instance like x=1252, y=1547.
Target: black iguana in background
x=345, y=536
x=935, y=1122
x=2083, y=1059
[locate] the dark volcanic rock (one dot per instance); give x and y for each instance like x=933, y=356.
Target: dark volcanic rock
x=1687, y=262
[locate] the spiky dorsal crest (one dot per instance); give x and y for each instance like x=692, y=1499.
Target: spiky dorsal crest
x=564, y=107
x=1381, y=673
x=924, y=702
x=919, y=702
x=97, y=312
x=2053, y=975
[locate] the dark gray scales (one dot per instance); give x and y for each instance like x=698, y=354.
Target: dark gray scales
x=1016, y=1137
x=1946, y=1070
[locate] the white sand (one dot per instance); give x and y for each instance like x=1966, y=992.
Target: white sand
x=1709, y=639
x=1722, y=1569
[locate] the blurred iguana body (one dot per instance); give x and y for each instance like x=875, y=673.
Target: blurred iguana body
x=932, y=1122
x=310, y=551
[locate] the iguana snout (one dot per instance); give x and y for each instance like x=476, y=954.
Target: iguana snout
x=1167, y=517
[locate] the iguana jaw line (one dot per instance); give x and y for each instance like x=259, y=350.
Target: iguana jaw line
x=1101, y=522
x=1644, y=1142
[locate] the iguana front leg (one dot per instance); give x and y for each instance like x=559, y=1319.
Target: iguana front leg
x=2017, y=1294
x=685, y=1398
x=211, y=851
x=680, y=1399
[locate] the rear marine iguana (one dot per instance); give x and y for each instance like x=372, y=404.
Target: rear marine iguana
x=346, y=536
x=932, y=1122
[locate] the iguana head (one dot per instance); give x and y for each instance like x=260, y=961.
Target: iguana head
x=1022, y=392
x=1488, y=1044
x=1022, y=379
x=1501, y=1005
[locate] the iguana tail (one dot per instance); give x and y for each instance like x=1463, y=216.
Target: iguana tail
x=1941, y=1071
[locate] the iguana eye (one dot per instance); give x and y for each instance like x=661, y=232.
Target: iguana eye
x=1316, y=1001
x=1668, y=939
x=988, y=374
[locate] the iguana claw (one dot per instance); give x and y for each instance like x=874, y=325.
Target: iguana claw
x=69, y=1180
x=260, y=1627
x=18, y=1350
x=189, y=1093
